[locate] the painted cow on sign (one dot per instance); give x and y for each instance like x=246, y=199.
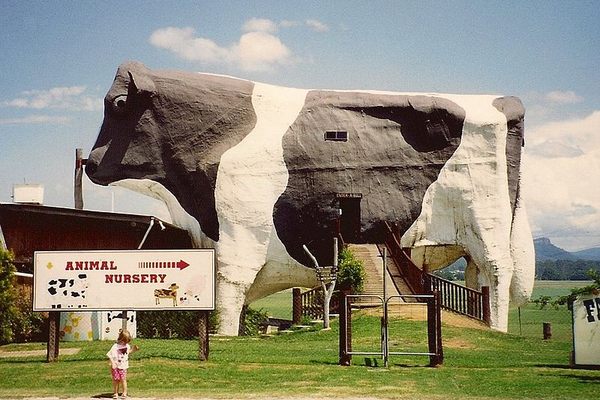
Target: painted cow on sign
x=256, y=171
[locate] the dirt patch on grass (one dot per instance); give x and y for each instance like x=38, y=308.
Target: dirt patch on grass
x=37, y=353
x=457, y=343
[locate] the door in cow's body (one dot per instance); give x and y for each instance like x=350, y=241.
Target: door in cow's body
x=350, y=219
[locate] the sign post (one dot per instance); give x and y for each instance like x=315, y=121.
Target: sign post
x=134, y=280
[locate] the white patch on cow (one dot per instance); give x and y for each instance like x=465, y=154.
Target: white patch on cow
x=250, y=179
x=523, y=255
x=469, y=206
x=179, y=216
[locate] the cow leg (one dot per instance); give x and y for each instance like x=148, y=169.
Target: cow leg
x=231, y=297
x=492, y=266
x=523, y=255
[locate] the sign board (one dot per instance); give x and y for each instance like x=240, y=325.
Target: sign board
x=28, y=194
x=586, y=330
x=124, y=280
x=348, y=195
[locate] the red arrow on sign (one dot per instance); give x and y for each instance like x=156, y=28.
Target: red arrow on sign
x=162, y=264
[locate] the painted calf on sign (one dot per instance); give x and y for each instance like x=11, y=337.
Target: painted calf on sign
x=256, y=171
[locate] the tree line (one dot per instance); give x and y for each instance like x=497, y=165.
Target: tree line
x=565, y=270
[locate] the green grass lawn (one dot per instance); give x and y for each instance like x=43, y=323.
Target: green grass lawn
x=478, y=364
x=278, y=305
x=532, y=316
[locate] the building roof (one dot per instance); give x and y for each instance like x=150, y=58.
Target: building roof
x=25, y=229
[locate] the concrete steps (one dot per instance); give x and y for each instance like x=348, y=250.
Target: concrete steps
x=372, y=262
x=395, y=285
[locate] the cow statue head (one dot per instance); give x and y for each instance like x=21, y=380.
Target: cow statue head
x=170, y=128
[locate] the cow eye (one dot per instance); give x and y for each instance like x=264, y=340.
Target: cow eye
x=119, y=104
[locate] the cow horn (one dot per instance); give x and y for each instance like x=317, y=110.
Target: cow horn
x=142, y=83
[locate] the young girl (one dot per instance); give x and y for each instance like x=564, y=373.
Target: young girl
x=119, y=362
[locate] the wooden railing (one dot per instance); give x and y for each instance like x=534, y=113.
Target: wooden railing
x=414, y=277
x=309, y=304
x=454, y=297
x=462, y=299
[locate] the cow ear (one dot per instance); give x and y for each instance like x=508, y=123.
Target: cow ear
x=141, y=83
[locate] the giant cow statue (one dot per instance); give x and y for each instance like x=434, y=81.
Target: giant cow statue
x=257, y=171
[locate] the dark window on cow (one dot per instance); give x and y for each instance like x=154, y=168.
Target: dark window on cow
x=336, y=136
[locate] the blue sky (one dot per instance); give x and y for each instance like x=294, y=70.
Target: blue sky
x=59, y=59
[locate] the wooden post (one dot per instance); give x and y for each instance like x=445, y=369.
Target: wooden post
x=203, y=338
x=434, y=329
x=345, y=328
x=426, y=281
x=296, y=306
x=78, y=186
x=431, y=331
x=53, y=336
x=547, y=326
x=124, y=321
x=438, y=333
x=487, y=313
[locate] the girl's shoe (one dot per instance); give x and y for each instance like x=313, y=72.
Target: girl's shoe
x=115, y=396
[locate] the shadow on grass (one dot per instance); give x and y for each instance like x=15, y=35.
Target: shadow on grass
x=554, y=366
x=323, y=362
x=585, y=379
x=102, y=396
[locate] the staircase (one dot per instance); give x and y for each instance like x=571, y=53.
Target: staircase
x=402, y=277
x=373, y=264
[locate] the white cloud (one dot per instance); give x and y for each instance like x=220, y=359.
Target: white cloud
x=289, y=24
x=257, y=50
x=566, y=97
x=260, y=50
x=36, y=119
x=259, y=25
x=312, y=24
x=553, y=149
x=549, y=106
x=582, y=132
x=68, y=98
x=317, y=26
x=561, y=166
x=182, y=42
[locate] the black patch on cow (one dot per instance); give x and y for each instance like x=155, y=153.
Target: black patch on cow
x=514, y=111
x=396, y=147
x=172, y=127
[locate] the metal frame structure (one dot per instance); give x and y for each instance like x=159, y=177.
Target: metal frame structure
x=435, y=352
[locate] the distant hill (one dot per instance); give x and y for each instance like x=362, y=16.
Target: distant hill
x=588, y=254
x=546, y=251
